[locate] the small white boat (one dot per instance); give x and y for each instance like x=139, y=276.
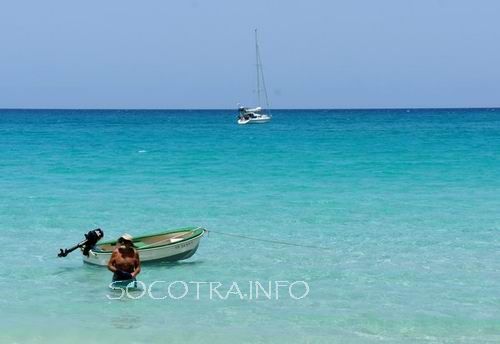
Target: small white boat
x=256, y=115
x=171, y=245
x=252, y=116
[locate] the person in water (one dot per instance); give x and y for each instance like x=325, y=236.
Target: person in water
x=124, y=262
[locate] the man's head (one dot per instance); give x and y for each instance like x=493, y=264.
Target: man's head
x=126, y=239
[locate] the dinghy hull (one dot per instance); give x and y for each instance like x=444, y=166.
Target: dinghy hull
x=167, y=246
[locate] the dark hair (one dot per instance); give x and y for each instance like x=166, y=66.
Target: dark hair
x=123, y=241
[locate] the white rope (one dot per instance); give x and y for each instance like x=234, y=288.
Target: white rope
x=269, y=241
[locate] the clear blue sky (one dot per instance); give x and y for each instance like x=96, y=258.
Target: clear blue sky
x=200, y=54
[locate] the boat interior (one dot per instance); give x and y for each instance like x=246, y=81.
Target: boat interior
x=151, y=241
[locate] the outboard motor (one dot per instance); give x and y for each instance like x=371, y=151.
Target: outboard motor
x=91, y=238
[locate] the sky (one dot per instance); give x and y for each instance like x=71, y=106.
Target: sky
x=194, y=54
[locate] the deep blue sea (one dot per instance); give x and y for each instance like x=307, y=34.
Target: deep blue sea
x=407, y=203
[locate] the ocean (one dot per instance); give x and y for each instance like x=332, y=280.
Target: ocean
x=394, y=214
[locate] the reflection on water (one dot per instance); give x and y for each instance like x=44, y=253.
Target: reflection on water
x=168, y=264
x=126, y=321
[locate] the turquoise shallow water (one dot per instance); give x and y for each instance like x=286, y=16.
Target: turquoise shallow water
x=408, y=202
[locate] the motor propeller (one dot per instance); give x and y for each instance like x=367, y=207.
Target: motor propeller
x=91, y=238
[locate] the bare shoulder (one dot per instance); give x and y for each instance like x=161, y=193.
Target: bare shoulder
x=114, y=254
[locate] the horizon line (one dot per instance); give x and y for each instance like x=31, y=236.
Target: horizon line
x=271, y=109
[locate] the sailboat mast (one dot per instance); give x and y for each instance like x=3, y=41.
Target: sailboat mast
x=257, y=63
x=264, y=86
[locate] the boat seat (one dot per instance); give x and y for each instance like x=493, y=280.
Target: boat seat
x=140, y=244
x=161, y=242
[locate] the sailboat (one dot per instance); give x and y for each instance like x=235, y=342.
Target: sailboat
x=256, y=115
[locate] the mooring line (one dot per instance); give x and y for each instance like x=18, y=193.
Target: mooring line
x=269, y=241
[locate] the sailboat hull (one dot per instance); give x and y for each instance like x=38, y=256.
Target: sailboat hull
x=254, y=120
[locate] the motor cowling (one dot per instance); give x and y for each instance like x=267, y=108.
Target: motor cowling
x=91, y=239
